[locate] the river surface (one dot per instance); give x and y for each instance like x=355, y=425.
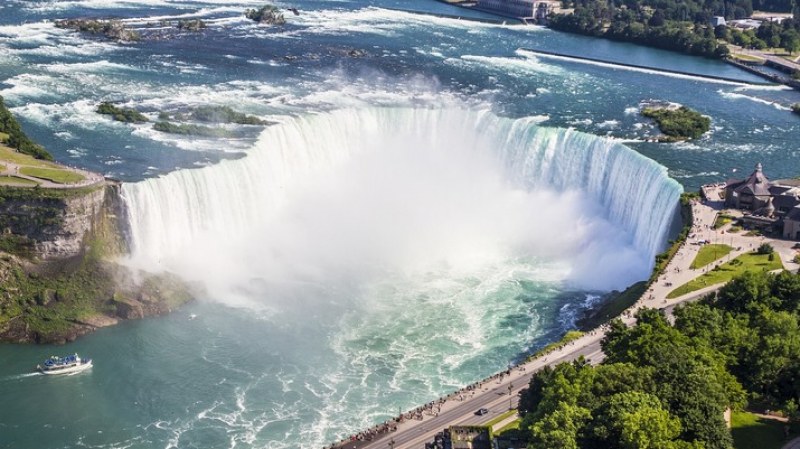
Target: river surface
x=430, y=204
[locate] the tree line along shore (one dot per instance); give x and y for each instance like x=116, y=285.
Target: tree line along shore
x=685, y=26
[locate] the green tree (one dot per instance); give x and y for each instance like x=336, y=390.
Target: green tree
x=17, y=138
x=559, y=429
x=640, y=421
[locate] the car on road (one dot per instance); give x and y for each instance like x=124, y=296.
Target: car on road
x=482, y=411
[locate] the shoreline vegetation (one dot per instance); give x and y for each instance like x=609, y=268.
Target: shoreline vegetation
x=617, y=302
x=678, y=124
x=683, y=26
x=11, y=134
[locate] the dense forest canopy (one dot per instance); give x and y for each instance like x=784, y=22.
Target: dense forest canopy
x=667, y=386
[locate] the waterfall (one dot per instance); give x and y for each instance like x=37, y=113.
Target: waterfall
x=169, y=213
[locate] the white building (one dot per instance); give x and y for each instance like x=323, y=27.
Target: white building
x=513, y=8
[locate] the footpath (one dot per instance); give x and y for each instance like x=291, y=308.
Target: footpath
x=89, y=179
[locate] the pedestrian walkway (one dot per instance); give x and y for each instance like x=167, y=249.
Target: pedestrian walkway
x=12, y=169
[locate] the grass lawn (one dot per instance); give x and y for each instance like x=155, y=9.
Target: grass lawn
x=726, y=272
x=748, y=58
x=750, y=431
x=14, y=181
x=722, y=220
x=56, y=175
x=514, y=425
x=11, y=155
x=710, y=253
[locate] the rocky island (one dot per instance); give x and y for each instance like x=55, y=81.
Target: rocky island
x=268, y=14
x=61, y=241
x=111, y=29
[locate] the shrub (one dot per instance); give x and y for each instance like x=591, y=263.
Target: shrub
x=266, y=14
x=765, y=248
x=126, y=115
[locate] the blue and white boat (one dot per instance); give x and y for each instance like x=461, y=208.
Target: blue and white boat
x=64, y=365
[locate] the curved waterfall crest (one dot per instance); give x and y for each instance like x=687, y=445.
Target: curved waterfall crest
x=168, y=213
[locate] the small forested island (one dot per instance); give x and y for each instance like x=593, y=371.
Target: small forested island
x=214, y=114
x=669, y=386
x=112, y=29
x=203, y=114
x=191, y=25
x=679, y=123
x=268, y=14
x=191, y=130
x=126, y=115
x=60, y=238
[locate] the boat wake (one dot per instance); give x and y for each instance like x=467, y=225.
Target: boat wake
x=19, y=376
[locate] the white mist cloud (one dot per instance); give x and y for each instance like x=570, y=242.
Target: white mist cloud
x=409, y=201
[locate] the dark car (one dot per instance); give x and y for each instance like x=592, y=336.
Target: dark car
x=482, y=411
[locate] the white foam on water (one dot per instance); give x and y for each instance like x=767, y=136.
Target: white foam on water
x=612, y=65
x=516, y=66
x=739, y=96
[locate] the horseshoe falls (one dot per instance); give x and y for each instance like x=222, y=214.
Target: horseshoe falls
x=506, y=183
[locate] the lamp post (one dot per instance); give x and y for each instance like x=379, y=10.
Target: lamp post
x=391, y=443
x=510, y=386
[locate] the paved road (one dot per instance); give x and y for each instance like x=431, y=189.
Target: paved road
x=494, y=396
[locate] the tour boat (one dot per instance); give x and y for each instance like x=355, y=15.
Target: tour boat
x=64, y=365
